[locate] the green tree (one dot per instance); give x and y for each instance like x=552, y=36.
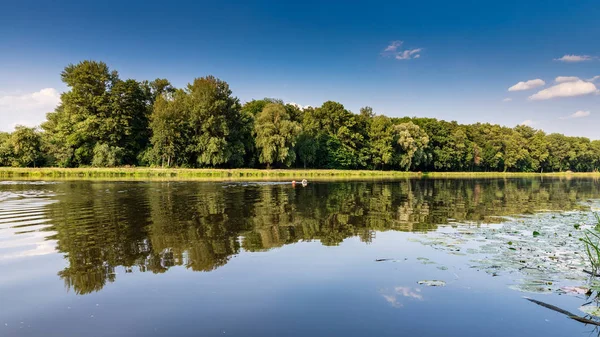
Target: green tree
x=381, y=135
x=306, y=148
x=537, y=149
x=127, y=124
x=5, y=149
x=26, y=147
x=411, y=141
x=167, y=123
x=275, y=135
x=215, y=123
x=558, y=149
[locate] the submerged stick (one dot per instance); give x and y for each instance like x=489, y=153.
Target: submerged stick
x=564, y=312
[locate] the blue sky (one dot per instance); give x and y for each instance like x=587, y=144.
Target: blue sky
x=457, y=60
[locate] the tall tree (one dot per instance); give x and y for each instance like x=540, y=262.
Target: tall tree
x=77, y=124
x=215, y=123
x=168, y=129
x=381, y=135
x=412, y=142
x=306, y=148
x=126, y=126
x=275, y=135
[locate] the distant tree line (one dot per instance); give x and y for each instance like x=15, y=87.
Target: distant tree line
x=105, y=121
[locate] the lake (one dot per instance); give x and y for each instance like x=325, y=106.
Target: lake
x=342, y=258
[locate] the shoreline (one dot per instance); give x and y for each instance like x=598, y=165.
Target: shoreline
x=142, y=173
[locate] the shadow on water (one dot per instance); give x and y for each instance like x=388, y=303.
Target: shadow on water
x=152, y=226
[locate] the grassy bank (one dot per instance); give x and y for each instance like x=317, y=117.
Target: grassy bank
x=248, y=174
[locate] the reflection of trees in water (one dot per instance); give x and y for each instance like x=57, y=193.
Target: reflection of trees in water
x=154, y=226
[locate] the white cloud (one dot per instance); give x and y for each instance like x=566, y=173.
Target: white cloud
x=408, y=54
x=394, y=49
x=561, y=79
x=27, y=109
x=574, y=58
x=507, y=99
x=577, y=114
x=565, y=89
x=527, y=122
x=527, y=85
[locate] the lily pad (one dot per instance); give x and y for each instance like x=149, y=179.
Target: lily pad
x=432, y=283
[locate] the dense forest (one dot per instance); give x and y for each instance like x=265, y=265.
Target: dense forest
x=105, y=121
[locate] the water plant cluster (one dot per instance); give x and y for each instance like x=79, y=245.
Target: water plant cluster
x=543, y=253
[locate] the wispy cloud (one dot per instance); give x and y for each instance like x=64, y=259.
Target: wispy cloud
x=28, y=109
x=393, y=46
x=594, y=79
x=507, y=99
x=393, y=297
x=527, y=85
x=394, y=49
x=577, y=114
x=561, y=79
x=565, y=89
x=575, y=58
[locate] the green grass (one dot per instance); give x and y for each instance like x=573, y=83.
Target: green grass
x=247, y=174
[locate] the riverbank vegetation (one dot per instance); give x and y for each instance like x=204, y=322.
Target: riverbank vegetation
x=256, y=174
x=105, y=121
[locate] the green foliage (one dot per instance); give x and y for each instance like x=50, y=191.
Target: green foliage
x=306, y=148
x=381, y=135
x=204, y=125
x=5, y=149
x=412, y=142
x=215, y=126
x=167, y=123
x=107, y=156
x=276, y=135
x=24, y=146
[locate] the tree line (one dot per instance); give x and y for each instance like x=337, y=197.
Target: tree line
x=106, y=121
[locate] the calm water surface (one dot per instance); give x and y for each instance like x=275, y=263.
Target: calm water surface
x=88, y=258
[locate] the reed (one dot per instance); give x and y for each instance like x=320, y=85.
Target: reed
x=592, y=245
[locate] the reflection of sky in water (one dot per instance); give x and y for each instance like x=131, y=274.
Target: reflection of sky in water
x=189, y=259
x=395, y=296
x=23, y=219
